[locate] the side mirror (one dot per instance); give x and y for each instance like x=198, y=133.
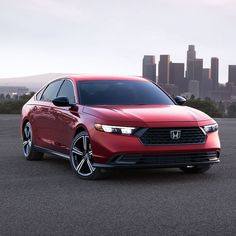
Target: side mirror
x=61, y=102
x=180, y=100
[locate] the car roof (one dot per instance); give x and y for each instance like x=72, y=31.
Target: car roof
x=104, y=77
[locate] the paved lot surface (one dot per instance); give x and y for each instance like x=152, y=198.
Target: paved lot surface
x=45, y=198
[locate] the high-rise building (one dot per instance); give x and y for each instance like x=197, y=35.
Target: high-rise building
x=191, y=57
x=149, y=67
x=198, y=73
x=215, y=72
x=198, y=69
x=164, y=69
x=232, y=74
x=194, y=88
x=176, y=76
x=206, y=83
x=191, y=53
x=206, y=74
x=171, y=89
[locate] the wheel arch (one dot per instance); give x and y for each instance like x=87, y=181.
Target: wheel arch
x=23, y=125
x=80, y=128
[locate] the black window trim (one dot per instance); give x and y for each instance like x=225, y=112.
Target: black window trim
x=64, y=79
x=40, y=90
x=168, y=95
x=47, y=87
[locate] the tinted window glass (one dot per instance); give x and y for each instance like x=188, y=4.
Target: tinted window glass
x=67, y=90
x=39, y=94
x=113, y=92
x=51, y=91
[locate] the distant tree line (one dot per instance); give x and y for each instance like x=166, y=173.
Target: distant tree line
x=212, y=108
x=13, y=105
x=208, y=106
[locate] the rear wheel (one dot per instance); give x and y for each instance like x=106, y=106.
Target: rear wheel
x=81, y=158
x=28, y=146
x=195, y=169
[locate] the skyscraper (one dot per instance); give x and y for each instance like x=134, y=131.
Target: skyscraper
x=198, y=68
x=215, y=72
x=232, y=74
x=198, y=73
x=206, y=74
x=191, y=57
x=194, y=88
x=149, y=67
x=176, y=76
x=191, y=53
x=194, y=70
x=206, y=83
x=164, y=69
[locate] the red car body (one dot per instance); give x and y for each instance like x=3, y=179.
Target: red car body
x=54, y=129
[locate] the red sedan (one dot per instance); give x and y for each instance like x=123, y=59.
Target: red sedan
x=100, y=122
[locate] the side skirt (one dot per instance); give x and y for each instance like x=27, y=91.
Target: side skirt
x=49, y=151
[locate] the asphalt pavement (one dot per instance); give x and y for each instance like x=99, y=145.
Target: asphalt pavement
x=46, y=198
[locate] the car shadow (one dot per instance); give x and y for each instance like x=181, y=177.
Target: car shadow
x=158, y=175
x=161, y=175
x=57, y=163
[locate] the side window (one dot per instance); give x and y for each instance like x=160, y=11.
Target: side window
x=67, y=90
x=51, y=91
x=39, y=94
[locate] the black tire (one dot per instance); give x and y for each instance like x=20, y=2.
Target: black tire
x=196, y=169
x=81, y=158
x=28, y=145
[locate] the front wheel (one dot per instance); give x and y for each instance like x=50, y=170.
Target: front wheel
x=195, y=169
x=81, y=158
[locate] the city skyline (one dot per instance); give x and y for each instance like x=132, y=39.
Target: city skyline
x=190, y=77
x=109, y=37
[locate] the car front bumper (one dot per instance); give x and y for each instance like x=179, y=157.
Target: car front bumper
x=161, y=160
x=127, y=151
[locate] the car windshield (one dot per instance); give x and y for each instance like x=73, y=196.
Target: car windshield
x=121, y=92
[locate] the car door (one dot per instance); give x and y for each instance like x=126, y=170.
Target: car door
x=66, y=119
x=45, y=119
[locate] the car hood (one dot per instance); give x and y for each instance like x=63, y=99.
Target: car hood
x=146, y=113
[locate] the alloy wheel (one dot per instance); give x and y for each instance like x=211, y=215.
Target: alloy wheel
x=81, y=156
x=27, y=139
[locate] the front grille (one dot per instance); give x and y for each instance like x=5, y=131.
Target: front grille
x=165, y=159
x=162, y=136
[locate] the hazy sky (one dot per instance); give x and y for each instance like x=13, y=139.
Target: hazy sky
x=111, y=36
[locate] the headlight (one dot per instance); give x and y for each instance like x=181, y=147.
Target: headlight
x=210, y=128
x=115, y=129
